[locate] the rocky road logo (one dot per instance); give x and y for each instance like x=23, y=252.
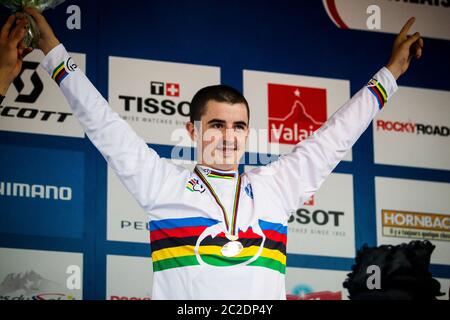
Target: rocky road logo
x=412, y=128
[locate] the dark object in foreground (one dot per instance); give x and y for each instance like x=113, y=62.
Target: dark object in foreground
x=403, y=269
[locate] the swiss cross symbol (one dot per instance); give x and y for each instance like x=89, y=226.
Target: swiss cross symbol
x=172, y=89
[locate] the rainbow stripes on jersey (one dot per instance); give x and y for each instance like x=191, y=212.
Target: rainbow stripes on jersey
x=173, y=243
x=378, y=91
x=60, y=73
x=220, y=175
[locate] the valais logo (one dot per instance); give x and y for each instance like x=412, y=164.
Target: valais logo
x=295, y=112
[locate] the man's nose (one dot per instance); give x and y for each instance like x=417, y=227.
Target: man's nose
x=229, y=136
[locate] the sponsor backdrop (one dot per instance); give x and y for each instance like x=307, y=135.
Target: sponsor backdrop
x=65, y=216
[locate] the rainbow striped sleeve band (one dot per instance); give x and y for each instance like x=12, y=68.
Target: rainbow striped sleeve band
x=60, y=73
x=378, y=91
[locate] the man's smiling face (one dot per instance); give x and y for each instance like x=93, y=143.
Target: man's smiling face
x=221, y=134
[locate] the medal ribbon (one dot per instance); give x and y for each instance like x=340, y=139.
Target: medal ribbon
x=231, y=228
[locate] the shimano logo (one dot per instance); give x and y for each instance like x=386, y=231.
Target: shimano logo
x=25, y=190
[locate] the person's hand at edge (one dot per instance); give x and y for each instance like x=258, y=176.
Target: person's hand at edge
x=12, y=50
x=47, y=40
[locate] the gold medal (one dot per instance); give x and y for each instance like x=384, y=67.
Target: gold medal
x=232, y=249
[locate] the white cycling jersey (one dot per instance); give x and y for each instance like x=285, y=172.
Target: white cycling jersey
x=187, y=226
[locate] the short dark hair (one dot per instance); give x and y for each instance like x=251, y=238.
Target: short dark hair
x=219, y=93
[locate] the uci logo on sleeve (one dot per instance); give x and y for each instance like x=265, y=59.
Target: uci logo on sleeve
x=63, y=70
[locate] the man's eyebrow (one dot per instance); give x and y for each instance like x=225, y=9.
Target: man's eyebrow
x=216, y=120
x=223, y=121
x=242, y=123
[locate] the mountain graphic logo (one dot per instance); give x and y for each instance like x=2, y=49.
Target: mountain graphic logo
x=295, y=112
x=31, y=285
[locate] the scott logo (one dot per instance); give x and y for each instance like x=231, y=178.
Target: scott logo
x=36, y=82
x=295, y=112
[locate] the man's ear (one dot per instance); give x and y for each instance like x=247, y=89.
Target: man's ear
x=190, y=127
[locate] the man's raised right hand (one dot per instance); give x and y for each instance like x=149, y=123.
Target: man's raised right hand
x=47, y=39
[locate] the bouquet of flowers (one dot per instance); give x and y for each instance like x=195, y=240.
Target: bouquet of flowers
x=32, y=37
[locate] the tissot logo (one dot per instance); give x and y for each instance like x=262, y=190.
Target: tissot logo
x=317, y=217
x=36, y=82
x=295, y=112
x=173, y=89
x=156, y=105
x=168, y=89
x=154, y=96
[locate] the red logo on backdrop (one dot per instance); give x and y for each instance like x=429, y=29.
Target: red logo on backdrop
x=128, y=298
x=172, y=89
x=322, y=295
x=295, y=112
x=310, y=202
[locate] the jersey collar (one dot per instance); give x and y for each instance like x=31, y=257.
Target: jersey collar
x=218, y=174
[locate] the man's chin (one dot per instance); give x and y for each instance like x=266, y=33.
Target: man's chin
x=224, y=163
